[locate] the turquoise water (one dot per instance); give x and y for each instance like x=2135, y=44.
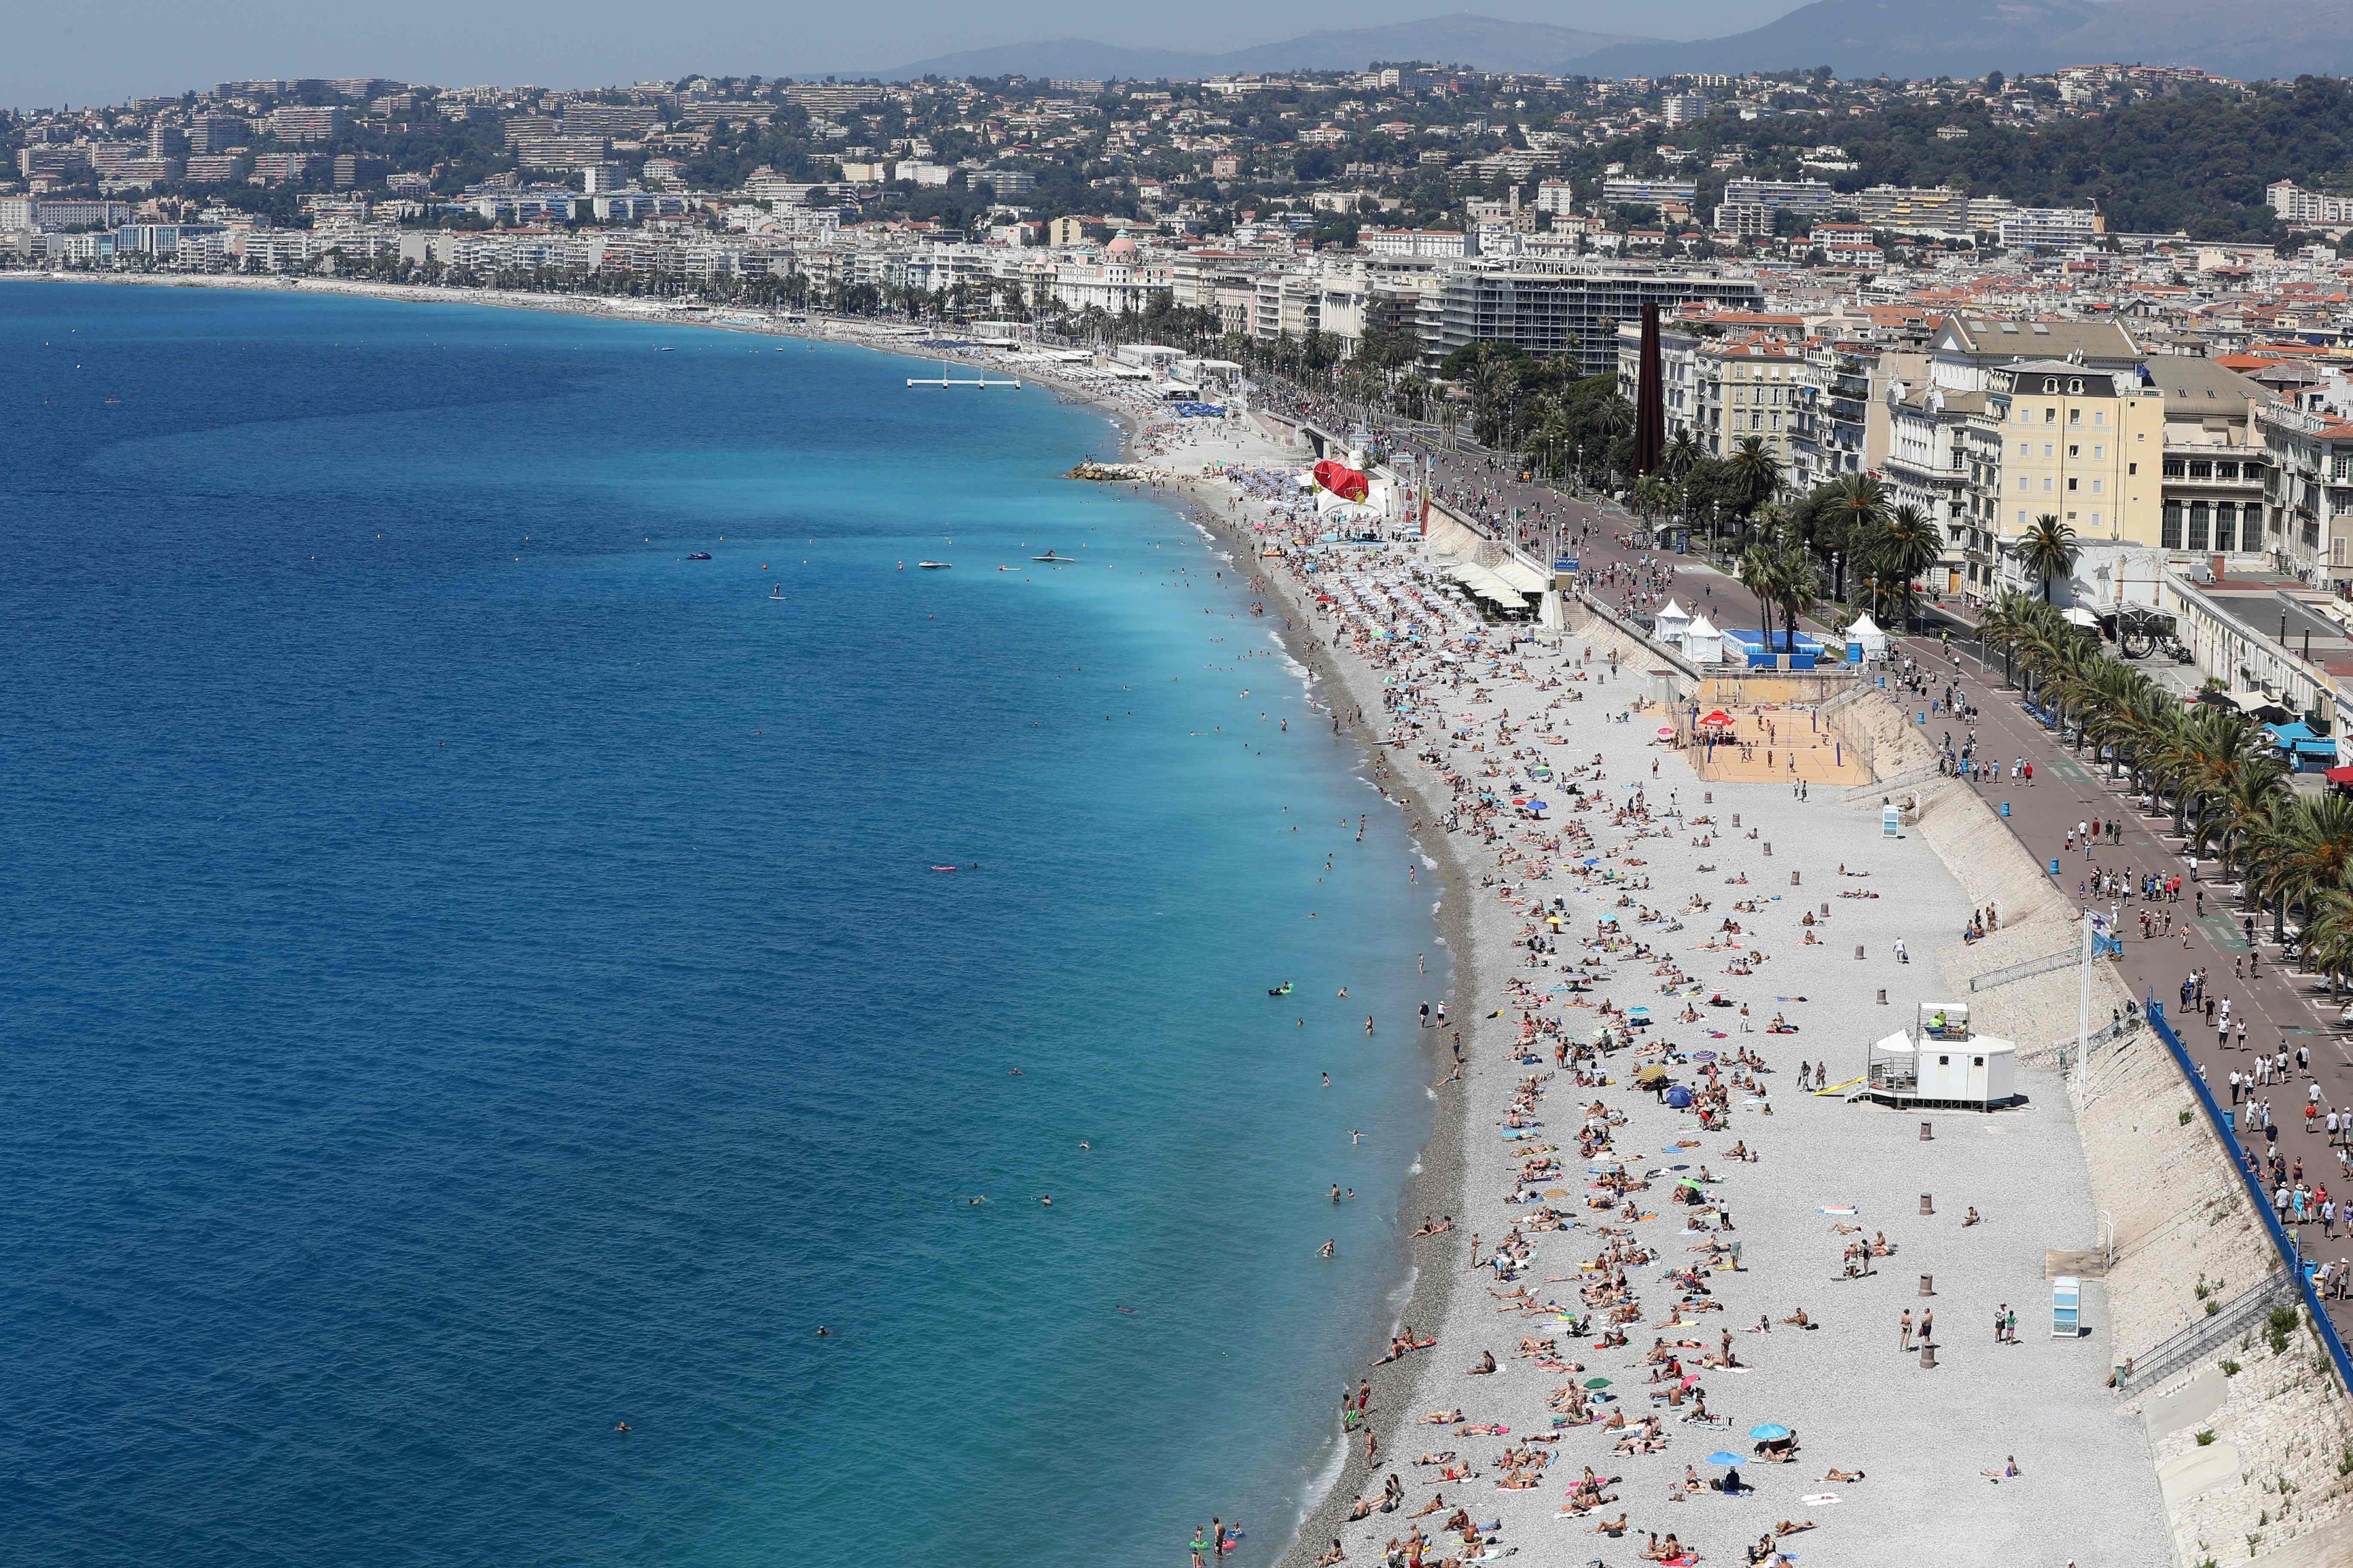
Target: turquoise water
x=474, y=977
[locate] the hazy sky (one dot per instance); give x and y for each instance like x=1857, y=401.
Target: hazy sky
x=96, y=52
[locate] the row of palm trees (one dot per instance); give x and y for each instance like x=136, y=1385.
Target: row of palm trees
x=2226, y=782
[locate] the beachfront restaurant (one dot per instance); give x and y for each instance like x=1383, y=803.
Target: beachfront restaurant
x=1942, y=1063
x=1771, y=650
x=2304, y=752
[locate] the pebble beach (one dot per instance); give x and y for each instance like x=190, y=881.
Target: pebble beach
x=1644, y=865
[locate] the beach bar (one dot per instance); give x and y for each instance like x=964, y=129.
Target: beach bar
x=1942, y=1063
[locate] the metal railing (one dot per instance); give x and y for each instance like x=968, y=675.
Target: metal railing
x=2193, y=1344
x=2282, y=1238
x=2025, y=969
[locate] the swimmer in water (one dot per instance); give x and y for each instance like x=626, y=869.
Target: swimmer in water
x=620, y=1425
x=1324, y=1250
x=1328, y=1080
x=1084, y=1144
x=1046, y=1199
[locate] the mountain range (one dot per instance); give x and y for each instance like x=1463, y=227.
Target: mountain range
x=1854, y=38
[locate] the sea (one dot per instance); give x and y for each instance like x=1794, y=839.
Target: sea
x=508, y=1025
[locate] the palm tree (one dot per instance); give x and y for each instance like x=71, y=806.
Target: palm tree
x=1907, y=544
x=1755, y=471
x=2048, y=550
x=2306, y=848
x=1761, y=574
x=1795, y=583
x=1682, y=452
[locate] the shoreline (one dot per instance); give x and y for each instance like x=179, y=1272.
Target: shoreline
x=1439, y=1184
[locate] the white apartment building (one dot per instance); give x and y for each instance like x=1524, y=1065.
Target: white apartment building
x=2296, y=205
x=1416, y=242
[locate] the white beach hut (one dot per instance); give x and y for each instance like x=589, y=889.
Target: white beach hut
x=1942, y=1062
x=1865, y=643
x=1703, y=643
x=1672, y=624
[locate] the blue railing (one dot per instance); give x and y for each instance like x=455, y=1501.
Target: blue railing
x=2282, y=1238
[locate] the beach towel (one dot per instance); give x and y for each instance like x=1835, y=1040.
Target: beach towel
x=1847, y=1211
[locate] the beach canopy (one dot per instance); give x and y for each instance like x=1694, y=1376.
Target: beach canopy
x=1672, y=623
x=1703, y=644
x=1719, y=720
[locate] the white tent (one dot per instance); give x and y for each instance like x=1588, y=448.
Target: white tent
x=1703, y=643
x=1865, y=639
x=1672, y=624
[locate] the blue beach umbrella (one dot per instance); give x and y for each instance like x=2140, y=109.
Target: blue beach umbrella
x=1770, y=1432
x=1721, y=1458
x=1679, y=1097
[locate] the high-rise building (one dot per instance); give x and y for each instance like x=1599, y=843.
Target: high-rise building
x=305, y=123
x=1570, y=313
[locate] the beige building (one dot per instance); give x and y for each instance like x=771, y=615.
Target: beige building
x=2081, y=445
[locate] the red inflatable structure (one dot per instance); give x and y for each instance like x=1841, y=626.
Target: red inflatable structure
x=1342, y=481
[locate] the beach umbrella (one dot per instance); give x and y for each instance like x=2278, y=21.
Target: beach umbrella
x=1721, y=1458
x=1719, y=720
x=1597, y=1383
x=1666, y=734
x=1690, y=1182
x=1651, y=1074
x=1702, y=1056
x=1679, y=1097
x=1769, y=1433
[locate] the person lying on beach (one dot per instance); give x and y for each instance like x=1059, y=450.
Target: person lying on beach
x=1442, y=1418
x=1792, y=1527
x=1436, y=1503
x=1971, y=1220
x=1446, y=1457
x=1839, y=1475
x=2008, y=1472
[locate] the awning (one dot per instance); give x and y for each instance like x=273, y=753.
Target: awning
x=2343, y=776
x=1487, y=585
x=1521, y=575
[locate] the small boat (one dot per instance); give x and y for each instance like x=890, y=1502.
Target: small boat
x=934, y=566
x=698, y=556
x=1056, y=560
x=663, y=351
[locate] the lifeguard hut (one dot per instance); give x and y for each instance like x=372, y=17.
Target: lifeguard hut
x=1942, y=1063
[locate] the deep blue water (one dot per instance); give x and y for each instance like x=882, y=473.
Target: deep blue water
x=469, y=976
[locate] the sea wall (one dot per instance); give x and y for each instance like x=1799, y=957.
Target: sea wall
x=2272, y=1478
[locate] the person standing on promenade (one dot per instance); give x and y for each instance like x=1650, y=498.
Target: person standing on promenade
x=1906, y=1326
